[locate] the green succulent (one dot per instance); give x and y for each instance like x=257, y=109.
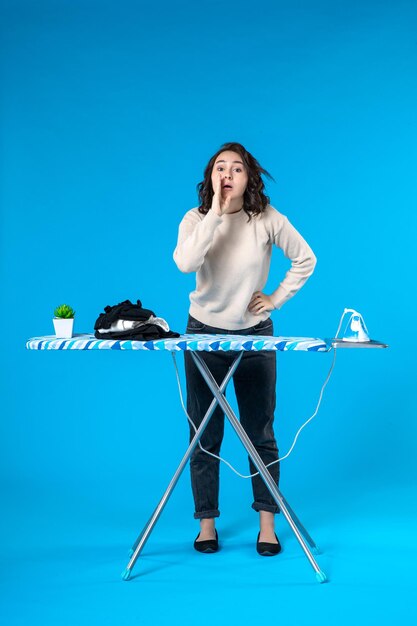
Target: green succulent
x=64, y=311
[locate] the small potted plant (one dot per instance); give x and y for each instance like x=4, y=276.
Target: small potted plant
x=63, y=321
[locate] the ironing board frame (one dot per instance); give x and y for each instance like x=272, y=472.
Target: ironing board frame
x=298, y=529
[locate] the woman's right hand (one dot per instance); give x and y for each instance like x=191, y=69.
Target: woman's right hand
x=219, y=204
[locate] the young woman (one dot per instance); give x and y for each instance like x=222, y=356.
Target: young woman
x=227, y=240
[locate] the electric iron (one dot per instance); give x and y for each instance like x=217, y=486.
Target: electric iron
x=355, y=328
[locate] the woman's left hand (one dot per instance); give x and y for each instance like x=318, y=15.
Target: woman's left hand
x=260, y=302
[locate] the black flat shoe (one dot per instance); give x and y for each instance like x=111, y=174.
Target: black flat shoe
x=267, y=549
x=208, y=545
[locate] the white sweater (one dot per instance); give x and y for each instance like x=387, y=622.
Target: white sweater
x=232, y=260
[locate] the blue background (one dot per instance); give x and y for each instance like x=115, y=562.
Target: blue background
x=109, y=114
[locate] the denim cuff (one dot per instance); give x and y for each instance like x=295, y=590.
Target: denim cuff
x=207, y=514
x=261, y=506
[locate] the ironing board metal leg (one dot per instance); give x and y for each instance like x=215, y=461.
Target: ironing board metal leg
x=314, y=547
x=260, y=466
x=143, y=537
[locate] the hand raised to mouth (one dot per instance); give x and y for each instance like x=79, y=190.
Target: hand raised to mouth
x=220, y=203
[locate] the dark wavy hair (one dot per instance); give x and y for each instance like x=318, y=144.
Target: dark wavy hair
x=254, y=199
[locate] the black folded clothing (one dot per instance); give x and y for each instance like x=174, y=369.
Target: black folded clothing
x=132, y=312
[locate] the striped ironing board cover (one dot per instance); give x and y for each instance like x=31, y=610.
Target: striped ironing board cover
x=195, y=342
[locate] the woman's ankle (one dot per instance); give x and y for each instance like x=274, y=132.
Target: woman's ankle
x=207, y=523
x=266, y=520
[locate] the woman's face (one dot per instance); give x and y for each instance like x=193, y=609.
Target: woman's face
x=230, y=167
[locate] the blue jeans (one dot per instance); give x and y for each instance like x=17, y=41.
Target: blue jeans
x=255, y=387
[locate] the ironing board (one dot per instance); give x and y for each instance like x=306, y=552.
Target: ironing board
x=194, y=343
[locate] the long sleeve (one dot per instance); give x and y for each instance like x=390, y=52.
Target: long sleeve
x=303, y=260
x=195, y=236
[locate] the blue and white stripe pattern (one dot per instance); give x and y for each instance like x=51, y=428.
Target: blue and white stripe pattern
x=196, y=342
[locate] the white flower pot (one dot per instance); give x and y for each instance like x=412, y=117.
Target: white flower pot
x=63, y=327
